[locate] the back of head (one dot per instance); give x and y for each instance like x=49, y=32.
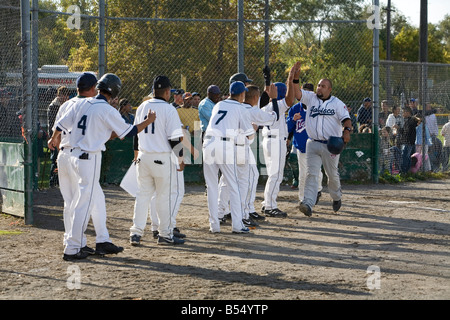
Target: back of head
x=282, y=89
x=110, y=83
x=252, y=94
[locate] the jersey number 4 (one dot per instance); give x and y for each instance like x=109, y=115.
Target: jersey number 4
x=82, y=124
x=146, y=128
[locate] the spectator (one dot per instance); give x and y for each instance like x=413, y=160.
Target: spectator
x=365, y=128
x=413, y=103
x=188, y=115
x=395, y=122
x=383, y=115
x=62, y=95
x=125, y=110
x=407, y=138
x=426, y=142
x=445, y=132
x=178, y=98
x=353, y=118
x=431, y=120
x=213, y=95
x=364, y=115
x=196, y=98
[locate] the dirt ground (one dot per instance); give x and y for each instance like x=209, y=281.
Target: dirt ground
x=386, y=242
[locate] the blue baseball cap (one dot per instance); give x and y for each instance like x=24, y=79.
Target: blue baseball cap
x=86, y=81
x=237, y=87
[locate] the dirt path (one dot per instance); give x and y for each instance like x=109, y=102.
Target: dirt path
x=400, y=234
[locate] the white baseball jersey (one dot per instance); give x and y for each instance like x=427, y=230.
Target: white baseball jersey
x=151, y=140
x=65, y=142
x=91, y=122
x=323, y=118
x=228, y=119
x=279, y=128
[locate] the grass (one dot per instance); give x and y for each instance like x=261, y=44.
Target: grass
x=9, y=233
x=388, y=178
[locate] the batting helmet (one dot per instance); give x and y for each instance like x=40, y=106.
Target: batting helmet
x=282, y=89
x=110, y=83
x=335, y=145
x=240, y=77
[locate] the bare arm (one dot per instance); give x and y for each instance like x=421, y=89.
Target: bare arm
x=293, y=89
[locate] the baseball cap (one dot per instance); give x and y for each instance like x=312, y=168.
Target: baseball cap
x=237, y=87
x=213, y=89
x=177, y=91
x=367, y=99
x=86, y=81
x=187, y=95
x=196, y=94
x=161, y=82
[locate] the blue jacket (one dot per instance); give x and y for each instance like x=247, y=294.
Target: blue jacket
x=298, y=127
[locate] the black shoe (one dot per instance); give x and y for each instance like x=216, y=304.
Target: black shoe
x=88, y=250
x=155, y=234
x=170, y=241
x=135, y=240
x=275, y=213
x=222, y=220
x=78, y=256
x=227, y=216
x=256, y=216
x=107, y=248
x=263, y=209
x=249, y=223
x=319, y=194
x=305, y=209
x=337, y=205
x=178, y=234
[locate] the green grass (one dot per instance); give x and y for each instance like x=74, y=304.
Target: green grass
x=388, y=178
x=9, y=233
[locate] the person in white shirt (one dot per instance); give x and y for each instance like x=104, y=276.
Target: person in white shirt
x=159, y=157
x=91, y=123
x=229, y=120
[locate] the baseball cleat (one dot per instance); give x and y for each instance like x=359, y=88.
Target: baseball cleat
x=178, y=234
x=135, y=240
x=107, y=248
x=249, y=223
x=275, y=213
x=77, y=256
x=305, y=209
x=169, y=241
x=155, y=234
x=337, y=205
x=256, y=216
x=243, y=230
x=88, y=250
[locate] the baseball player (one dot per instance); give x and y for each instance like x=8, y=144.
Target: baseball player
x=228, y=119
x=326, y=117
x=91, y=122
x=156, y=170
x=248, y=174
x=68, y=184
x=274, y=148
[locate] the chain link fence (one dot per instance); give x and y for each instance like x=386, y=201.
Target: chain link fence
x=420, y=95
x=196, y=44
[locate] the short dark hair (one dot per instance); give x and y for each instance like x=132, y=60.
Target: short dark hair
x=308, y=86
x=252, y=91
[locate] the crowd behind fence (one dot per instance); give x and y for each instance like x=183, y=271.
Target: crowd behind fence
x=205, y=46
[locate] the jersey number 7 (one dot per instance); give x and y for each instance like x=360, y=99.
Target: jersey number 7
x=223, y=114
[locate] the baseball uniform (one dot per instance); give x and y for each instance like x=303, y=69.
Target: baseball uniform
x=156, y=170
x=298, y=127
x=91, y=122
x=228, y=120
x=274, y=148
x=248, y=174
x=323, y=120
